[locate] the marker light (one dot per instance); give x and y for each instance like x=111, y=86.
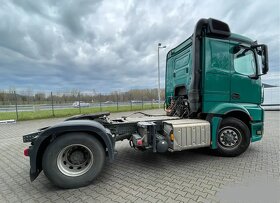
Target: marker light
x=171, y=136
x=259, y=132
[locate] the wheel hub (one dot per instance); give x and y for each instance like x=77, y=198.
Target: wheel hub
x=75, y=160
x=77, y=157
x=229, y=137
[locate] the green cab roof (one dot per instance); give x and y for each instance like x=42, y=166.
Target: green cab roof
x=241, y=37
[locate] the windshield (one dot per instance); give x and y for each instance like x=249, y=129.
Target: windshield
x=244, y=62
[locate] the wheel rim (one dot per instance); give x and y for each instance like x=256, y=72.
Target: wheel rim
x=75, y=160
x=229, y=137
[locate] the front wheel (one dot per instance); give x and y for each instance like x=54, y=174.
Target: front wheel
x=73, y=160
x=233, y=137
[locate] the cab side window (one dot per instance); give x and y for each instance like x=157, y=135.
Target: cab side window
x=244, y=62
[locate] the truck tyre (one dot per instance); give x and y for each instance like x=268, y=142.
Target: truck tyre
x=73, y=160
x=233, y=137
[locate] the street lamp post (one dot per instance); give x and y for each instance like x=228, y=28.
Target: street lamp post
x=159, y=47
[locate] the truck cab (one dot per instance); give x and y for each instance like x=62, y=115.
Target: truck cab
x=218, y=75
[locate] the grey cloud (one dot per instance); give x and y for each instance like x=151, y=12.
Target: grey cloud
x=112, y=45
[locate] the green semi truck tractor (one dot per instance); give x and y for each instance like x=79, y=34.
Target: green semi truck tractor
x=213, y=93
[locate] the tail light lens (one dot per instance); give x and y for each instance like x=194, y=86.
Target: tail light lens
x=26, y=152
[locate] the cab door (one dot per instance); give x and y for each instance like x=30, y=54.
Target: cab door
x=244, y=87
x=217, y=69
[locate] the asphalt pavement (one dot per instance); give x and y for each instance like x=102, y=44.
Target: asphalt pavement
x=135, y=176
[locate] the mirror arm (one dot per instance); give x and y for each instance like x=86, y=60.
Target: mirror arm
x=254, y=77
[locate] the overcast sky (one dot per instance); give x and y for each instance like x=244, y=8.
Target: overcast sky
x=112, y=45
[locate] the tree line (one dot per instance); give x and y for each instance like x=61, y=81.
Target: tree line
x=11, y=96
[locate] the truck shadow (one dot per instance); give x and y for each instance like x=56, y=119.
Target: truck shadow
x=187, y=155
x=133, y=161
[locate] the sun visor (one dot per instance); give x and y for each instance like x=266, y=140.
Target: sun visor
x=218, y=28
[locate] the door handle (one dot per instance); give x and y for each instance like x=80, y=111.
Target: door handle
x=235, y=96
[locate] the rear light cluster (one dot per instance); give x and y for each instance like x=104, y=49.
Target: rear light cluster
x=139, y=142
x=26, y=152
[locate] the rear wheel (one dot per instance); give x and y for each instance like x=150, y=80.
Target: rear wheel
x=73, y=160
x=233, y=137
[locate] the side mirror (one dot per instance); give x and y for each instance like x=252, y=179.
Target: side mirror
x=265, y=67
x=262, y=51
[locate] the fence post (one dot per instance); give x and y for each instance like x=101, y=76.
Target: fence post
x=16, y=104
x=130, y=103
x=117, y=101
x=79, y=95
x=142, y=103
x=52, y=104
x=100, y=102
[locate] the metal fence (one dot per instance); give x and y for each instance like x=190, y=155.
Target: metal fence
x=271, y=98
x=20, y=106
x=31, y=105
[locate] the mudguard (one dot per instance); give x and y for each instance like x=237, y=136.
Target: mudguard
x=46, y=136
